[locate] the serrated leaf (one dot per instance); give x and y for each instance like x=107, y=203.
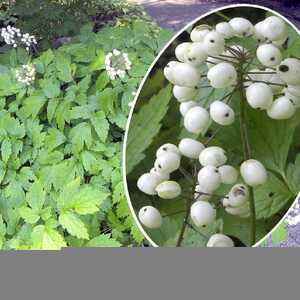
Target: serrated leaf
x=90, y=162
x=103, y=241
x=101, y=125
x=45, y=238
x=98, y=62
x=29, y=215
x=51, y=108
x=271, y=197
x=50, y=87
x=6, y=150
x=81, y=136
x=102, y=81
x=54, y=139
x=36, y=196
x=144, y=127
x=63, y=66
x=73, y=225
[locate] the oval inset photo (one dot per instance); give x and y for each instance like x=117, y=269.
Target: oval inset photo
x=212, y=143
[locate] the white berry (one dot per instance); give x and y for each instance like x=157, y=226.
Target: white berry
x=212, y=156
x=150, y=217
x=269, y=55
x=253, y=172
x=220, y=240
x=278, y=85
x=294, y=99
x=221, y=113
x=181, y=51
x=168, y=70
x=184, y=74
x=196, y=54
x=238, y=195
x=209, y=178
x=281, y=109
x=167, y=163
x=274, y=28
x=229, y=174
x=168, y=190
x=196, y=120
x=167, y=148
x=259, y=95
x=241, y=26
x=147, y=183
x=258, y=32
x=214, y=43
x=222, y=75
x=289, y=71
x=161, y=176
x=226, y=29
x=201, y=193
x=186, y=106
x=199, y=32
x=294, y=90
x=190, y=148
x=202, y=213
x=184, y=93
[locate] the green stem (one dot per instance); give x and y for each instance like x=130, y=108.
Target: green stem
x=247, y=155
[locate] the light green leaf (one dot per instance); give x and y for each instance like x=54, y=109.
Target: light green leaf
x=73, y=225
x=63, y=66
x=98, y=62
x=293, y=175
x=50, y=87
x=280, y=234
x=81, y=135
x=103, y=241
x=36, y=196
x=102, y=81
x=29, y=215
x=54, y=139
x=45, y=238
x=6, y=150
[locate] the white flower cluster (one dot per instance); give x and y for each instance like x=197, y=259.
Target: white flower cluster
x=26, y=74
x=13, y=36
x=229, y=66
x=293, y=218
x=117, y=64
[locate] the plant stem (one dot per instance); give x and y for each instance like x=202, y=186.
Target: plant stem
x=269, y=83
x=247, y=155
x=184, y=224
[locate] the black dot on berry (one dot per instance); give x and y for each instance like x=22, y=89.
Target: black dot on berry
x=244, y=33
x=145, y=209
x=212, y=41
x=159, y=166
x=272, y=58
x=164, y=148
x=242, y=187
x=204, y=226
x=284, y=68
x=271, y=194
x=190, y=59
x=227, y=115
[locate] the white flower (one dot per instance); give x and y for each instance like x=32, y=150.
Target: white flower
x=13, y=36
x=26, y=74
x=117, y=64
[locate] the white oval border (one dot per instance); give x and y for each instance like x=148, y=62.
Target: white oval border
x=137, y=96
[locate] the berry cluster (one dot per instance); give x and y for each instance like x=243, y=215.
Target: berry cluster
x=117, y=64
x=13, y=36
x=273, y=85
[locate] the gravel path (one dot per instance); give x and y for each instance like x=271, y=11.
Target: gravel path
x=175, y=14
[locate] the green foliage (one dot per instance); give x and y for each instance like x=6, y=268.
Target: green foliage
x=61, y=141
x=50, y=19
x=280, y=234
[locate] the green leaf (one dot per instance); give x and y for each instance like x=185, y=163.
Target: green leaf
x=102, y=81
x=98, y=62
x=90, y=162
x=50, y=87
x=101, y=125
x=6, y=150
x=280, y=234
x=271, y=197
x=73, y=225
x=51, y=108
x=36, y=196
x=293, y=175
x=45, y=238
x=54, y=139
x=63, y=66
x=103, y=241
x=107, y=100
x=81, y=199
x=81, y=135
x=32, y=106
x=29, y=215
x=144, y=126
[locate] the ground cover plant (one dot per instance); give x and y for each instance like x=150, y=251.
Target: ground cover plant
x=63, y=114
x=212, y=148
